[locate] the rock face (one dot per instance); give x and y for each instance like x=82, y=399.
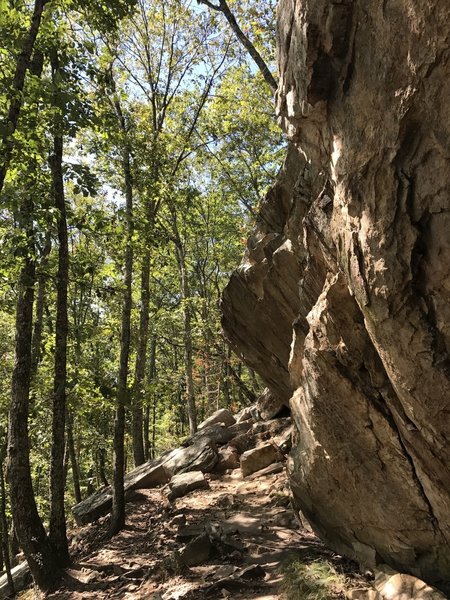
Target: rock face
x=342, y=303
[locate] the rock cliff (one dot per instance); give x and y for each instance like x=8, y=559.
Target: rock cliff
x=342, y=301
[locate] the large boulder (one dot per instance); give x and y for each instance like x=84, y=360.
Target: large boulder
x=200, y=456
x=342, y=302
x=97, y=505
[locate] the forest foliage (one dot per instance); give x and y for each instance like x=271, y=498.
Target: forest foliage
x=168, y=144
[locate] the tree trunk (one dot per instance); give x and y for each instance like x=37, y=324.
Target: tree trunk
x=23, y=63
x=118, y=500
x=149, y=448
x=188, y=354
x=27, y=523
x=57, y=524
x=73, y=458
x=101, y=467
x=244, y=40
x=139, y=373
x=36, y=351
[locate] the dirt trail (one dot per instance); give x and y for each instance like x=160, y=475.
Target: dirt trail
x=251, y=526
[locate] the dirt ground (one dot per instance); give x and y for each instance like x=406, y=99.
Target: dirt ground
x=252, y=531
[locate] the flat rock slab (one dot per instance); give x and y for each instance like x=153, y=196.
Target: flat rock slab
x=222, y=415
x=201, y=456
x=99, y=504
x=270, y=470
x=217, y=433
x=258, y=458
x=182, y=484
x=21, y=577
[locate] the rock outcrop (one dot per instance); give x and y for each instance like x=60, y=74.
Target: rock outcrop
x=342, y=303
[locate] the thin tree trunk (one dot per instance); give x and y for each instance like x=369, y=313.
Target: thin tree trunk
x=226, y=383
x=139, y=373
x=118, y=499
x=57, y=524
x=148, y=448
x=23, y=63
x=225, y=10
x=243, y=389
x=188, y=354
x=73, y=458
x=101, y=467
x=2, y=564
x=28, y=526
x=36, y=351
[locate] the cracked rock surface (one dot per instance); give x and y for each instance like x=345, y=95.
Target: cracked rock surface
x=342, y=302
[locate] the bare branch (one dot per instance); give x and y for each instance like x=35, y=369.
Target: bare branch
x=245, y=41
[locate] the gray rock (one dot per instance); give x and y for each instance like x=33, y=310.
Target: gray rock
x=258, y=458
x=183, y=483
x=269, y=405
x=97, y=505
x=196, y=551
x=228, y=459
x=215, y=433
x=244, y=415
x=266, y=471
x=240, y=428
x=341, y=303
x=223, y=415
x=21, y=576
x=284, y=440
x=400, y=586
x=201, y=456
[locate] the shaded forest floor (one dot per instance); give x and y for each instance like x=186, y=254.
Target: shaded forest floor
x=253, y=532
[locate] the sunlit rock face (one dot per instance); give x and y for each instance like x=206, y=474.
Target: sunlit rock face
x=342, y=303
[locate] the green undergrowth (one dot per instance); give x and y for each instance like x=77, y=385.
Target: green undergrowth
x=314, y=580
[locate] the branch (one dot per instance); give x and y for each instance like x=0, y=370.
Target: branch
x=225, y=10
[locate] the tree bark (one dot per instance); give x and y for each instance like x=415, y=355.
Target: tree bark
x=149, y=447
x=28, y=526
x=188, y=353
x=118, y=499
x=139, y=373
x=73, y=458
x=36, y=352
x=57, y=524
x=22, y=65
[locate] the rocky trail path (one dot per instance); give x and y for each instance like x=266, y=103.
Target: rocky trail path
x=235, y=535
